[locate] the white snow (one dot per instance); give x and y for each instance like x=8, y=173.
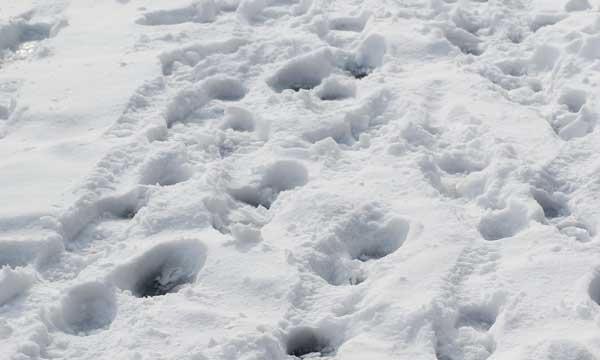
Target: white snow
x=285, y=179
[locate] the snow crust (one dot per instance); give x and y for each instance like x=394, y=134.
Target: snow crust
x=285, y=179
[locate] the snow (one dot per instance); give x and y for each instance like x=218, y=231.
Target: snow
x=285, y=179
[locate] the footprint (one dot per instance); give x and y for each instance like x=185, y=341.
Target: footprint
x=279, y=176
x=469, y=339
x=162, y=269
x=218, y=87
x=94, y=220
x=192, y=54
x=85, y=308
x=204, y=11
x=554, y=205
x=337, y=270
x=371, y=234
x=307, y=342
x=165, y=168
x=478, y=317
x=459, y=162
x=500, y=224
x=308, y=71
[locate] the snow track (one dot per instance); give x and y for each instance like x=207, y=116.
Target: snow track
x=312, y=179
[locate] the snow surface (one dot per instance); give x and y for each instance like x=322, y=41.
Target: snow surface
x=280, y=179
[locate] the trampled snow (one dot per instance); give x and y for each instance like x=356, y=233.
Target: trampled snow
x=284, y=179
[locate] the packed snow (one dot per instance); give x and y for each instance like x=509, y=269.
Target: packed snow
x=299, y=179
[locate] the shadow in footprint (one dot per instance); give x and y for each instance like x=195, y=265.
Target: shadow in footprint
x=306, y=342
x=162, y=269
x=280, y=176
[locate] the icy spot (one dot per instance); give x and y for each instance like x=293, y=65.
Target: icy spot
x=161, y=269
x=279, y=176
x=335, y=88
x=85, y=308
x=499, y=224
x=14, y=282
x=306, y=342
x=203, y=11
x=372, y=234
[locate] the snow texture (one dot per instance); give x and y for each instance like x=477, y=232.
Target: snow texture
x=299, y=179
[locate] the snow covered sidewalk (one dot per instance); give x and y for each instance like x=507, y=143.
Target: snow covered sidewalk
x=280, y=179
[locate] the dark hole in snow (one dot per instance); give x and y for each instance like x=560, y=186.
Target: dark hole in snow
x=358, y=72
x=161, y=281
x=306, y=343
x=162, y=269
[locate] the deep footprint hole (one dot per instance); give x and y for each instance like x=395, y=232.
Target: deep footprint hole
x=162, y=269
x=306, y=342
